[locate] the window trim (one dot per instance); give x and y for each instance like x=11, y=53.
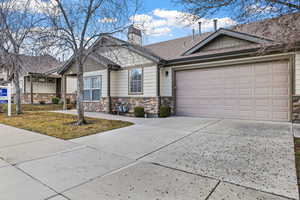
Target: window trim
x=91, y=89
x=142, y=86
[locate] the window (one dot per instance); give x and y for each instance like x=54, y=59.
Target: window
x=92, y=88
x=136, y=81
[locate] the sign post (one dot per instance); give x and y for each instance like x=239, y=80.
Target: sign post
x=5, y=97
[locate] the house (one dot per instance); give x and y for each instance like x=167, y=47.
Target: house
x=220, y=74
x=39, y=81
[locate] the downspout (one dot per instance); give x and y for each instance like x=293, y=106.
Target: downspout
x=108, y=89
x=158, y=89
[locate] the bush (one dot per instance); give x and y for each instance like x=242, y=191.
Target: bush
x=139, y=112
x=164, y=111
x=42, y=102
x=55, y=100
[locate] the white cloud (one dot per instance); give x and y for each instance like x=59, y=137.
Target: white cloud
x=107, y=20
x=161, y=22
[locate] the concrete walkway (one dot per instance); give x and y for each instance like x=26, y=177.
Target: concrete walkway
x=172, y=158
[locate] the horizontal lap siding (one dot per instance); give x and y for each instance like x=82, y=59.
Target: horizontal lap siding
x=297, y=73
x=166, y=82
x=119, y=83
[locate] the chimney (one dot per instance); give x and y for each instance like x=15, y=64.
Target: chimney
x=134, y=35
x=215, y=24
x=200, y=24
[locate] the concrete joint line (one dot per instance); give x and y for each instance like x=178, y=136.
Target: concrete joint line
x=179, y=139
x=259, y=190
x=213, y=190
x=51, y=155
x=21, y=143
x=101, y=176
x=44, y=184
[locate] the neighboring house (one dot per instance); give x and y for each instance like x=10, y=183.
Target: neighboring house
x=39, y=80
x=221, y=74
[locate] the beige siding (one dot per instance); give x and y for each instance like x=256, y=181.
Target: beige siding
x=125, y=57
x=166, y=82
x=71, y=85
x=119, y=83
x=89, y=66
x=42, y=88
x=103, y=74
x=224, y=42
x=297, y=73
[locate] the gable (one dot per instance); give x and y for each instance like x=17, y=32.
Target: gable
x=223, y=42
x=123, y=56
x=224, y=38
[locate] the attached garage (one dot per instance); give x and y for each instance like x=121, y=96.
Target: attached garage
x=257, y=91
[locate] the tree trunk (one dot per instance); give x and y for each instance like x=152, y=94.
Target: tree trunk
x=80, y=108
x=17, y=93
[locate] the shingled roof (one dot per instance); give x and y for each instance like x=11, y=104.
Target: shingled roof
x=281, y=30
x=38, y=64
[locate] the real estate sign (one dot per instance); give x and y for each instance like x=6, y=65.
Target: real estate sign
x=5, y=97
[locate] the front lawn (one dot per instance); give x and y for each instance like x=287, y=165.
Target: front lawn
x=37, y=107
x=60, y=125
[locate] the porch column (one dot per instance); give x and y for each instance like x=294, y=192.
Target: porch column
x=64, y=92
x=31, y=89
x=108, y=90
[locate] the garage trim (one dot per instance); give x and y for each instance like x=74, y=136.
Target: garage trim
x=287, y=56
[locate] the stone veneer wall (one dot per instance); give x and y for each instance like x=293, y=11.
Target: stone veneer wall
x=296, y=108
x=99, y=106
x=47, y=97
x=149, y=103
x=168, y=101
x=72, y=98
x=37, y=97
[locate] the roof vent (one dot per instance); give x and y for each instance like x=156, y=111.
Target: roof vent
x=215, y=24
x=199, y=25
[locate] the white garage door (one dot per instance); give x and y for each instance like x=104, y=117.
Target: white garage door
x=257, y=91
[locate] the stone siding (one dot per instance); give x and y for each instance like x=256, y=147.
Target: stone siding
x=46, y=97
x=296, y=108
x=71, y=97
x=101, y=106
x=37, y=97
x=168, y=101
x=149, y=103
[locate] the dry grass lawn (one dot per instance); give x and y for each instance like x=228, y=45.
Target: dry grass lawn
x=60, y=125
x=37, y=107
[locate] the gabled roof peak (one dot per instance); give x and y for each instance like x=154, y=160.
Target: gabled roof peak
x=230, y=33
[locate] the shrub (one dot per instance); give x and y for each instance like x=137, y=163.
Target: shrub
x=42, y=102
x=139, y=111
x=55, y=100
x=164, y=111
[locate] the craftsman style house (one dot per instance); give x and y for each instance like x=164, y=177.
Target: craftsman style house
x=39, y=81
x=221, y=74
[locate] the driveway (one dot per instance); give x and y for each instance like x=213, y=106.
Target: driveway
x=172, y=158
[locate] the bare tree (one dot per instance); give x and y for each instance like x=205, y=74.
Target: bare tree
x=75, y=25
x=243, y=10
x=16, y=24
x=283, y=27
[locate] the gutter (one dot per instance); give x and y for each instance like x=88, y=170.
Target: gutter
x=226, y=55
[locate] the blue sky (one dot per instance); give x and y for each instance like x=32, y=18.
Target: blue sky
x=161, y=20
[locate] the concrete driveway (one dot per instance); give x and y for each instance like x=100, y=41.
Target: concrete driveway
x=172, y=158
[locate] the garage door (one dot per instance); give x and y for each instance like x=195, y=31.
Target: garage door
x=250, y=91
